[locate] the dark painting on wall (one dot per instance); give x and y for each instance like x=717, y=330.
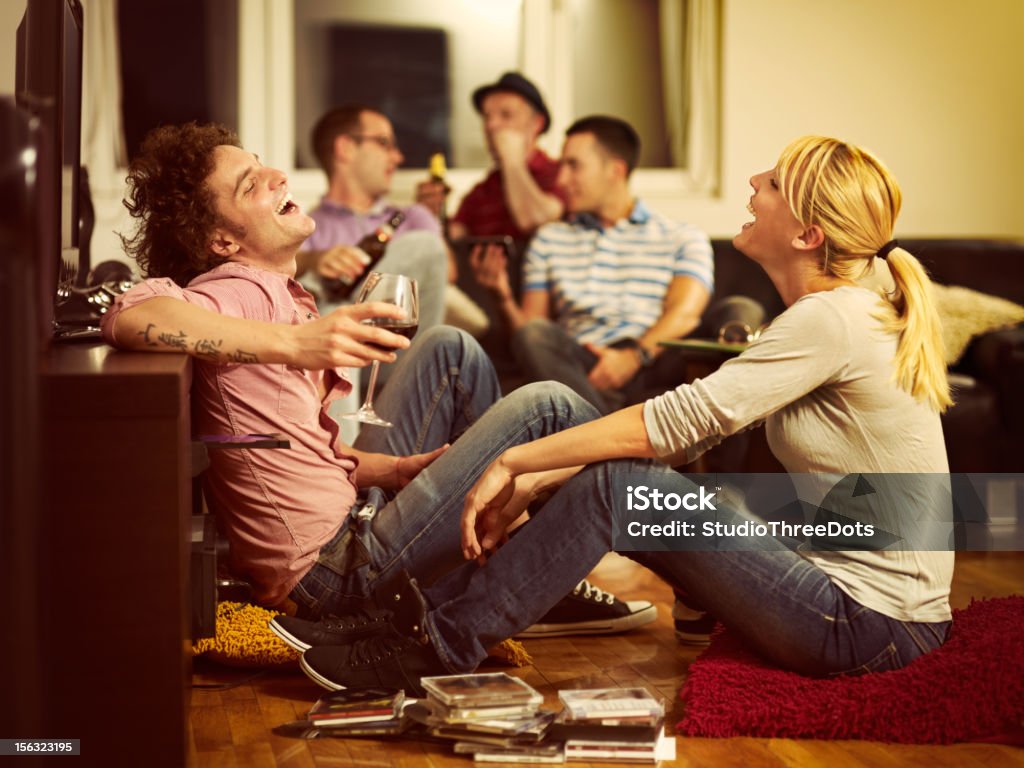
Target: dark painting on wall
x=403, y=72
x=179, y=62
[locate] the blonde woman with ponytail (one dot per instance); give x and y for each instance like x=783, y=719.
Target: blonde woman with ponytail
x=848, y=382
x=850, y=196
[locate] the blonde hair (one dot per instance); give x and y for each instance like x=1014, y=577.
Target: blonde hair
x=853, y=198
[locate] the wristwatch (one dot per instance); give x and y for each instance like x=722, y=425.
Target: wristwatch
x=644, y=357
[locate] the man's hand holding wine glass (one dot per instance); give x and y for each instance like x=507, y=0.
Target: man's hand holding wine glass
x=344, y=338
x=401, y=292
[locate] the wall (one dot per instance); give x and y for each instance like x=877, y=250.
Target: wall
x=11, y=12
x=935, y=87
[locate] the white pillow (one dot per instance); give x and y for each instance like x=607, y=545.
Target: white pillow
x=966, y=313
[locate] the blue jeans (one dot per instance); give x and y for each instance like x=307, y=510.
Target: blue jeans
x=546, y=352
x=442, y=391
x=784, y=607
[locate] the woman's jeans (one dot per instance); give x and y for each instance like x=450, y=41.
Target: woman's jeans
x=781, y=605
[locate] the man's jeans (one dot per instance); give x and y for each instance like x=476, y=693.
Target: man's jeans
x=439, y=389
x=546, y=352
x=783, y=606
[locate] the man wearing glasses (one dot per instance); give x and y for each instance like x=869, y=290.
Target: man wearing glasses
x=356, y=147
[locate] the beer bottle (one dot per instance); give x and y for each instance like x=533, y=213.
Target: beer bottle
x=374, y=245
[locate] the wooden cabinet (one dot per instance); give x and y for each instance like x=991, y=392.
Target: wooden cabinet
x=114, y=552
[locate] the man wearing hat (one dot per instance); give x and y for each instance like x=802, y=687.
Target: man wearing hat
x=519, y=194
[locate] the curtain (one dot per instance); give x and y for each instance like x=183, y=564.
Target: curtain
x=690, y=78
x=103, y=146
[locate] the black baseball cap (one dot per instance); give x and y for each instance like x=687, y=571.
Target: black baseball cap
x=513, y=82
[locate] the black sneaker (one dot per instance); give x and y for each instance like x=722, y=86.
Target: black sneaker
x=588, y=610
x=302, y=634
x=396, y=657
x=693, y=627
x=390, y=660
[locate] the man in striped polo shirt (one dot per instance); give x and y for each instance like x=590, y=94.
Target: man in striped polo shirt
x=601, y=289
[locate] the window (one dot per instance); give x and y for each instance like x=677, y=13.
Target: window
x=622, y=66
x=417, y=62
x=652, y=62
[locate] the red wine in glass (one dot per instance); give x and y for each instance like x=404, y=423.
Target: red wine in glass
x=391, y=289
x=401, y=327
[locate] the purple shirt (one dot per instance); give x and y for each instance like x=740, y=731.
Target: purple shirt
x=278, y=507
x=338, y=224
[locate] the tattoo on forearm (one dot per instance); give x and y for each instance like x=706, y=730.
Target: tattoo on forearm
x=241, y=356
x=176, y=341
x=209, y=349
x=145, y=336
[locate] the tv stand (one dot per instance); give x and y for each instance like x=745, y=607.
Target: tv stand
x=76, y=333
x=115, y=547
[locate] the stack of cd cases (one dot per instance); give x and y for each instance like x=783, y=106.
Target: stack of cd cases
x=494, y=717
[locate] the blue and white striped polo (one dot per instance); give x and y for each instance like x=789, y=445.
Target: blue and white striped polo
x=608, y=284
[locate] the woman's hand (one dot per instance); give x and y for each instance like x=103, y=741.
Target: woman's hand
x=492, y=504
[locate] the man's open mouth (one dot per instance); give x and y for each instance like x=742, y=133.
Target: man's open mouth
x=286, y=206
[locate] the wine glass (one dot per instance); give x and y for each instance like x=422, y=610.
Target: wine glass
x=391, y=289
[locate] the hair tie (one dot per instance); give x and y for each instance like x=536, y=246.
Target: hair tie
x=884, y=251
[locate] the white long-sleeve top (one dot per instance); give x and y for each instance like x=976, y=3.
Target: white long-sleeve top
x=821, y=376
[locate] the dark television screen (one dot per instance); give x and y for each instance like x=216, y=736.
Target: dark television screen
x=49, y=85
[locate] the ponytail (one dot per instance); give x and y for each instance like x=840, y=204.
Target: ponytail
x=920, y=360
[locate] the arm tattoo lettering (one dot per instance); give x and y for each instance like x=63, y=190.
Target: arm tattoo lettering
x=209, y=349
x=145, y=336
x=176, y=341
x=241, y=356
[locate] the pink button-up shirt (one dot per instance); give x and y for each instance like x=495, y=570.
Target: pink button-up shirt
x=277, y=506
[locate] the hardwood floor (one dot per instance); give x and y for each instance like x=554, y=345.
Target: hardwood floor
x=233, y=727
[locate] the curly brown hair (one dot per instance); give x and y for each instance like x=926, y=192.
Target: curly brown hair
x=169, y=196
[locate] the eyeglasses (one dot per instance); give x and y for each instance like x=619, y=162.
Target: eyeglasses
x=387, y=143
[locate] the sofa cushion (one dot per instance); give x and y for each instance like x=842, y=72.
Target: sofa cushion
x=966, y=313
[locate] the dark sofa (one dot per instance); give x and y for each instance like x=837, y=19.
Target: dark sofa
x=984, y=430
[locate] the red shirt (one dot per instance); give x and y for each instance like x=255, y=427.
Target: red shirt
x=277, y=506
x=483, y=211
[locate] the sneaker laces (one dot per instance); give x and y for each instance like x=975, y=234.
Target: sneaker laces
x=358, y=618
x=371, y=650
x=590, y=592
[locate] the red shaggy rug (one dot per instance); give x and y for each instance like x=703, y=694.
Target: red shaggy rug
x=970, y=689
